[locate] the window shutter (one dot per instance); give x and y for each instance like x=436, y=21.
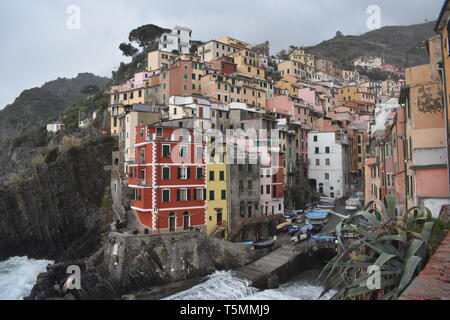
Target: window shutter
x=188, y=173
x=195, y=194
x=179, y=173
x=188, y=194
x=204, y=194
x=178, y=195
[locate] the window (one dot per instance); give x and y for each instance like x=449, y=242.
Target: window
x=200, y=173
x=166, y=151
x=327, y=149
x=317, y=162
x=327, y=176
x=183, y=195
x=199, y=194
x=327, y=162
x=211, y=176
x=222, y=175
x=241, y=185
x=186, y=221
x=184, y=173
x=166, y=173
x=199, y=153
x=211, y=195
x=183, y=151
x=268, y=189
x=224, y=194
x=250, y=185
x=317, y=150
x=142, y=155
x=316, y=138
x=166, y=195
x=159, y=132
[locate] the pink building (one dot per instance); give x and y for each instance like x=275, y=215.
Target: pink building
x=295, y=108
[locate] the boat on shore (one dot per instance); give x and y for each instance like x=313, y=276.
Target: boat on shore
x=264, y=244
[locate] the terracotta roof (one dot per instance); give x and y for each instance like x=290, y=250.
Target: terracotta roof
x=433, y=283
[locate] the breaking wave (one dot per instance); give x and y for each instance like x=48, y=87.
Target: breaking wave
x=222, y=285
x=18, y=276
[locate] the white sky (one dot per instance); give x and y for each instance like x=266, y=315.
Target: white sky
x=37, y=46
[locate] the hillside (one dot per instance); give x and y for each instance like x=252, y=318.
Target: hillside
x=36, y=106
x=400, y=45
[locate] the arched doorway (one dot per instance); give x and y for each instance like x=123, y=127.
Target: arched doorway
x=172, y=222
x=186, y=221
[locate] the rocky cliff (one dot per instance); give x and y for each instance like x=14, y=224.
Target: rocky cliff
x=58, y=213
x=153, y=266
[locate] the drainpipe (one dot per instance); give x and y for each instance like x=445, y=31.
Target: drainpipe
x=444, y=84
x=405, y=155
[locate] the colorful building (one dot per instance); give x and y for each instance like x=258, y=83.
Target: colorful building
x=168, y=179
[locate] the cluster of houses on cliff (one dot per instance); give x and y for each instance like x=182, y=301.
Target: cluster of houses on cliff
x=229, y=134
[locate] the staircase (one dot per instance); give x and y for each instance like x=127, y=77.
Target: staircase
x=246, y=221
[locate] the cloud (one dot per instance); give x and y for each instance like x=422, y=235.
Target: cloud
x=38, y=47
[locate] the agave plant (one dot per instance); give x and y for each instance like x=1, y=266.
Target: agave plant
x=398, y=246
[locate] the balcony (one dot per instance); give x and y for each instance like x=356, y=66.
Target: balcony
x=167, y=41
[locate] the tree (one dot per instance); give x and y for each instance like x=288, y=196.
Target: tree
x=128, y=49
x=147, y=34
x=283, y=55
x=90, y=90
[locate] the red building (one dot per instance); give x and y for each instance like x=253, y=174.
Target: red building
x=225, y=65
x=168, y=179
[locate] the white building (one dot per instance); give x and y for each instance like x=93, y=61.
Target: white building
x=179, y=39
x=55, y=127
x=369, y=63
x=329, y=159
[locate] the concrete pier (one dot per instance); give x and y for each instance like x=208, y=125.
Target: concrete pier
x=281, y=263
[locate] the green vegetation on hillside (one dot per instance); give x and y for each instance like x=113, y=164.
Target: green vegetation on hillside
x=399, y=45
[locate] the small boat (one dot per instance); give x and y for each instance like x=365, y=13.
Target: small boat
x=249, y=243
x=264, y=244
x=307, y=228
x=299, y=237
x=290, y=213
x=327, y=200
x=284, y=226
x=351, y=210
x=293, y=229
x=323, y=238
x=317, y=214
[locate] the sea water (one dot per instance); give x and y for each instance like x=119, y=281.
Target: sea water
x=222, y=285
x=18, y=276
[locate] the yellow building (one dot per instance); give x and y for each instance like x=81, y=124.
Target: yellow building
x=235, y=42
x=217, y=196
x=213, y=50
x=292, y=68
x=290, y=85
x=356, y=93
x=159, y=59
x=303, y=58
x=247, y=62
